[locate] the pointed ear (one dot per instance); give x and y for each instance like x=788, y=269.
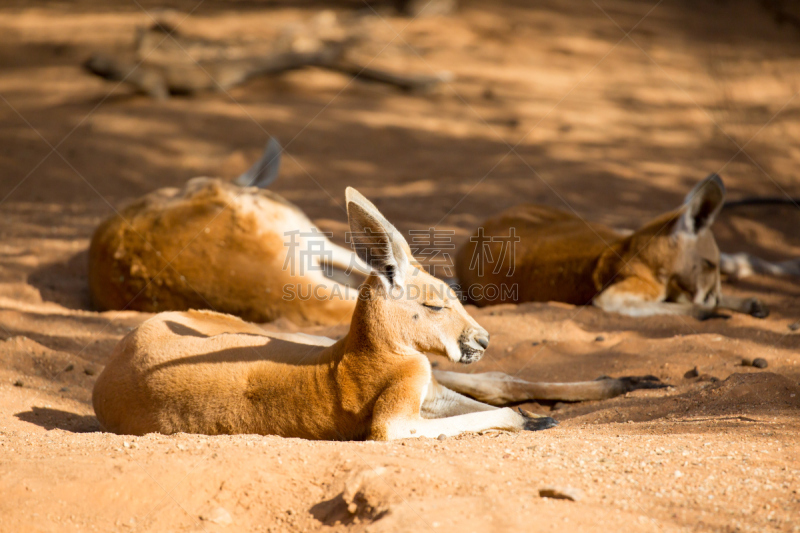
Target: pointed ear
x=376, y=241
x=701, y=207
x=265, y=170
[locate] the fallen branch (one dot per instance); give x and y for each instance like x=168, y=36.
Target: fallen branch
x=408, y=83
x=161, y=80
x=188, y=76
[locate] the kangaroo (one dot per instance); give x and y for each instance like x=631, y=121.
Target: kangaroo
x=231, y=247
x=670, y=266
x=210, y=373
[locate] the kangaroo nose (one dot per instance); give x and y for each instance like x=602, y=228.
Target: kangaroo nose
x=483, y=341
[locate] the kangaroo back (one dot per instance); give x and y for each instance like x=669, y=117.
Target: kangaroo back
x=532, y=253
x=215, y=245
x=201, y=372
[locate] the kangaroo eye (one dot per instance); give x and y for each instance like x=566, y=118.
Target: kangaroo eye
x=709, y=264
x=433, y=307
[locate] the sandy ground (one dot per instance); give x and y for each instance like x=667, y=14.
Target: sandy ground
x=618, y=128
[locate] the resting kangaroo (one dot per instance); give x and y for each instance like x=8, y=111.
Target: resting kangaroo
x=669, y=266
x=224, y=246
x=204, y=372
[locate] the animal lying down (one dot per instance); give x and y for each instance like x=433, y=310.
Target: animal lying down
x=238, y=248
x=230, y=247
x=211, y=373
x=670, y=266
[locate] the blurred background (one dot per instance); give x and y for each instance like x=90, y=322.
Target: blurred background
x=611, y=108
x=443, y=113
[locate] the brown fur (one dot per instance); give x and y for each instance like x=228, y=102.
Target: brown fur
x=211, y=244
x=669, y=266
x=203, y=372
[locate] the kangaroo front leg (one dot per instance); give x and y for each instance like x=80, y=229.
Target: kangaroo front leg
x=505, y=419
x=625, y=299
x=497, y=388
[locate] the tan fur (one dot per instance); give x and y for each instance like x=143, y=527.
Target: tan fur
x=203, y=372
x=214, y=244
x=669, y=266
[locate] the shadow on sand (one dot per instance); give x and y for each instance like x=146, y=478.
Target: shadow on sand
x=56, y=419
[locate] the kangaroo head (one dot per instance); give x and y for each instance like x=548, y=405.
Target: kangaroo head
x=400, y=305
x=682, y=250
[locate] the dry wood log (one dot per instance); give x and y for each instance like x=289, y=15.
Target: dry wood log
x=180, y=73
x=161, y=80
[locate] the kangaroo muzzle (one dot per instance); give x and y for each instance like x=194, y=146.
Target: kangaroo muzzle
x=472, y=345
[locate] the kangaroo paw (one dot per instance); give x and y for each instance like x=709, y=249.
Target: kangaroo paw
x=534, y=422
x=706, y=314
x=631, y=383
x=755, y=307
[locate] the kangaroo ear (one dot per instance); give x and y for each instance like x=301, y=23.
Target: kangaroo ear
x=265, y=170
x=701, y=207
x=376, y=241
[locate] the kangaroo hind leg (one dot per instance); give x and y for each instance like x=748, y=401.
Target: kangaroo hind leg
x=497, y=388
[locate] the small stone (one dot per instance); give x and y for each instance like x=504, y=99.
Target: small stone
x=707, y=377
x=557, y=406
x=63, y=389
x=535, y=343
x=747, y=362
x=69, y=368
x=693, y=373
x=795, y=326
x=760, y=363
x=561, y=493
x=442, y=437
x=219, y=516
x=599, y=338
x=89, y=371
x=19, y=383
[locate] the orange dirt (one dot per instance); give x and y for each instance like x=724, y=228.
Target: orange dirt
x=617, y=128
